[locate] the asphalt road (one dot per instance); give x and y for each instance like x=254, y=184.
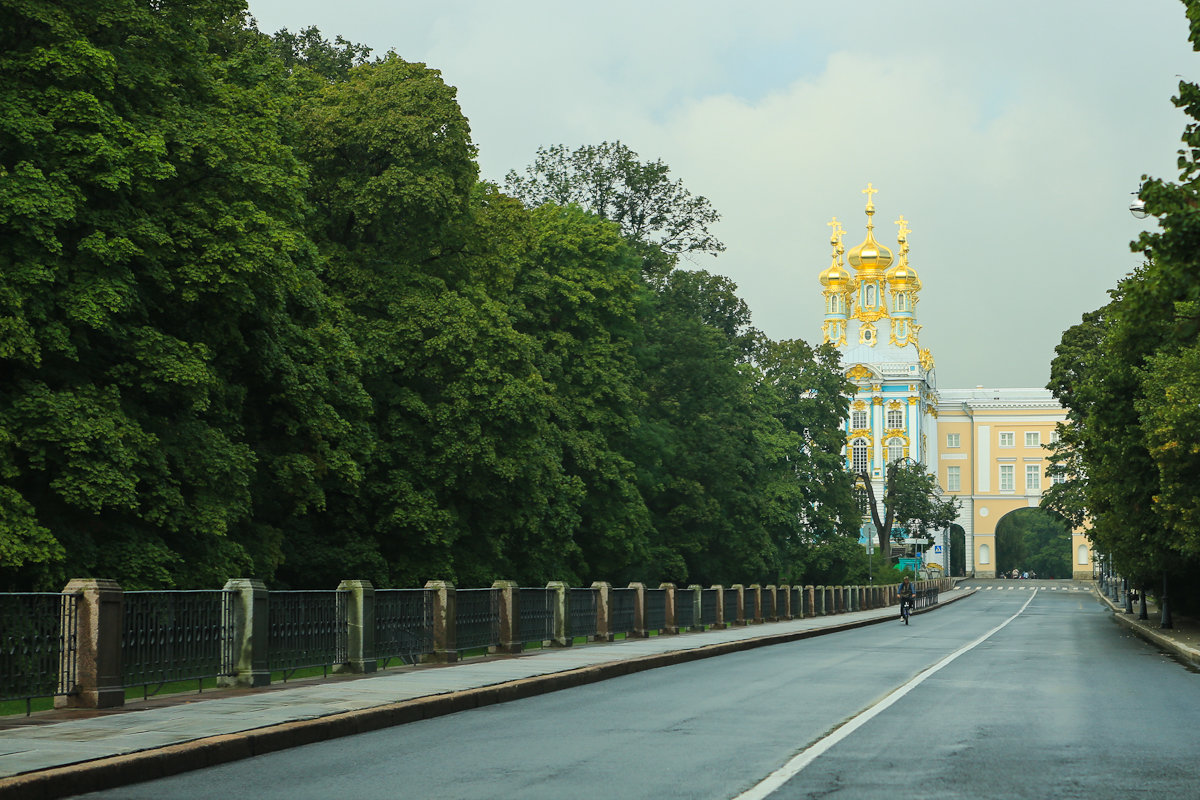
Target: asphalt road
x=1019, y=691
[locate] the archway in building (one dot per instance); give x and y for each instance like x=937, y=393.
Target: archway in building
x=958, y=551
x=1035, y=541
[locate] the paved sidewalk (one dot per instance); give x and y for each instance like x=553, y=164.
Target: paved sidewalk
x=61, y=753
x=1182, y=640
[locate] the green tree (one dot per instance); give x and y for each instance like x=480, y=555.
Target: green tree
x=608, y=180
x=176, y=393
x=912, y=503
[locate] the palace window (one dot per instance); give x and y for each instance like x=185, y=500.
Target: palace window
x=1006, y=478
x=895, y=418
x=895, y=449
x=952, y=440
x=1054, y=436
x=1033, y=439
x=858, y=419
x=1033, y=477
x=1008, y=439
x=859, y=460
x=902, y=301
x=953, y=479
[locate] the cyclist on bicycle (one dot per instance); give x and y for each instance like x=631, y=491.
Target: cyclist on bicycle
x=906, y=595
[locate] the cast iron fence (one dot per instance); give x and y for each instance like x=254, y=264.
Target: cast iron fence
x=656, y=609
x=37, y=645
x=621, y=609
x=731, y=606
x=685, y=609
x=477, y=619
x=708, y=606
x=306, y=629
x=403, y=624
x=170, y=636
x=536, y=609
x=582, y=612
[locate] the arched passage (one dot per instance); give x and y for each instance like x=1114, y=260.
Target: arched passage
x=1035, y=541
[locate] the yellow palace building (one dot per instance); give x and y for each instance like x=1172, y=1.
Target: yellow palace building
x=986, y=446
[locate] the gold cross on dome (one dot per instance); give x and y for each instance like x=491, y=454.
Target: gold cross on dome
x=870, y=190
x=903, y=223
x=837, y=232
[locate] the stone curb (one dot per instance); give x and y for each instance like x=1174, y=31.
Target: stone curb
x=115, y=771
x=1188, y=655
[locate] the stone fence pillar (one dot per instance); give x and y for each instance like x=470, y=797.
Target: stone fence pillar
x=695, y=596
x=741, y=604
x=670, y=623
x=603, y=626
x=560, y=600
x=810, y=601
x=819, y=596
x=360, y=628
x=99, y=618
x=510, y=617
x=251, y=631
x=639, y=611
x=445, y=620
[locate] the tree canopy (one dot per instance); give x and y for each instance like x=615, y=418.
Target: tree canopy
x=1126, y=375
x=260, y=317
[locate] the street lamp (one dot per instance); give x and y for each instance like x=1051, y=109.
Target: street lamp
x=1138, y=208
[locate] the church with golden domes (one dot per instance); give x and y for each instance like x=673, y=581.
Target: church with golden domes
x=985, y=446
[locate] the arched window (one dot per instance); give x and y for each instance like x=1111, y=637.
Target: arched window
x=895, y=449
x=895, y=418
x=859, y=459
x=902, y=301
x=858, y=419
x=985, y=554
x=869, y=296
x=1081, y=555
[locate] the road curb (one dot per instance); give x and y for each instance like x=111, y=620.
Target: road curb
x=115, y=771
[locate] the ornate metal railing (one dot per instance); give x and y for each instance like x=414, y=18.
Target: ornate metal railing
x=656, y=609
x=536, y=611
x=685, y=609
x=403, y=624
x=37, y=645
x=708, y=606
x=306, y=629
x=477, y=618
x=176, y=636
x=621, y=608
x=581, y=612
x=731, y=606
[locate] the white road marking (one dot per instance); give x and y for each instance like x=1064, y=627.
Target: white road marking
x=792, y=768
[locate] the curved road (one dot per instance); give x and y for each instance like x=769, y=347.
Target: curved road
x=1019, y=691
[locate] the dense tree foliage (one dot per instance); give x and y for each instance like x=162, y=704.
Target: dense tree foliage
x=259, y=316
x=1127, y=376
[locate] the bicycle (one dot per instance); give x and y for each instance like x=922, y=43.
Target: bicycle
x=906, y=608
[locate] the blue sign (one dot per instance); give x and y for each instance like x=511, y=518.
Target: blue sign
x=937, y=548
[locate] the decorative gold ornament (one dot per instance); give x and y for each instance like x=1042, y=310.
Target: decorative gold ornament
x=859, y=405
x=925, y=358
x=858, y=372
x=877, y=400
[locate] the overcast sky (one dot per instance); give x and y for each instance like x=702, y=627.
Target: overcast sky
x=1010, y=135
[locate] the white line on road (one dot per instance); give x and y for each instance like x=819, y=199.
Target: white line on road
x=779, y=777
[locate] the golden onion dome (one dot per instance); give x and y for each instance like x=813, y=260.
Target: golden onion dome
x=836, y=278
x=870, y=255
x=902, y=276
